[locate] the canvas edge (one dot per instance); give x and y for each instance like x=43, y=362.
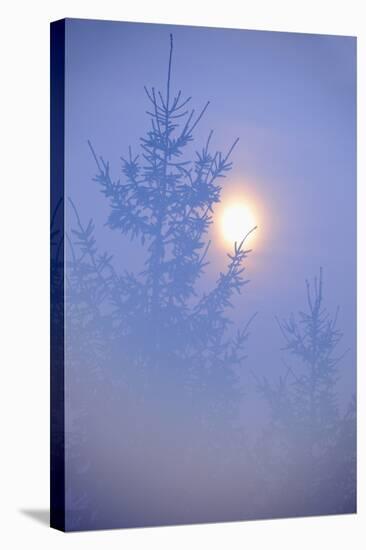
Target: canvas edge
x=57, y=394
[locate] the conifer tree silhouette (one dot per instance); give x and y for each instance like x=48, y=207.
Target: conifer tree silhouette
x=165, y=202
x=88, y=277
x=307, y=441
x=312, y=339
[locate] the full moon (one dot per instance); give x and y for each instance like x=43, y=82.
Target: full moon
x=237, y=220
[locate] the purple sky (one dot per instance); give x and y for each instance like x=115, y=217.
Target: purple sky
x=291, y=98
